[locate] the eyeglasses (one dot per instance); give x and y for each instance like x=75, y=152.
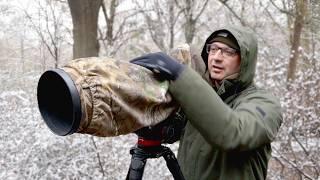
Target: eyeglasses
x=225, y=52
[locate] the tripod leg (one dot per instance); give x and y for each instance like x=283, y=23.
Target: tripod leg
x=136, y=167
x=173, y=165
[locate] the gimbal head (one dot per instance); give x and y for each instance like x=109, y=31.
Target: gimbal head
x=167, y=131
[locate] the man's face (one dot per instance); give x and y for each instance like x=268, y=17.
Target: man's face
x=223, y=61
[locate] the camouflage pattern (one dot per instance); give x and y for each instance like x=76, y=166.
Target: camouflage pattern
x=118, y=97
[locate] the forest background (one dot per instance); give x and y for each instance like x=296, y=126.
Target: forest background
x=37, y=35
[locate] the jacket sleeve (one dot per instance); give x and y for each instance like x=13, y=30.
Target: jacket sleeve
x=251, y=124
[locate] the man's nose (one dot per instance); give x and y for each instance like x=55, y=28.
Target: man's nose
x=218, y=55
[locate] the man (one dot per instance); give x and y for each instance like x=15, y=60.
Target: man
x=231, y=122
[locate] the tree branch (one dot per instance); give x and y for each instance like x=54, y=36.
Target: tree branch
x=201, y=10
x=300, y=144
x=280, y=156
x=233, y=12
x=98, y=155
x=280, y=9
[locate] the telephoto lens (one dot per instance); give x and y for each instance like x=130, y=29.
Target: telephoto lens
x=102, y=97
x=106, y=97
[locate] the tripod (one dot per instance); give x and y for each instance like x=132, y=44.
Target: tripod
x=151, y=149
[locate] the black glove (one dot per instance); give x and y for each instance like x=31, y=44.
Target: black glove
x=160, y=63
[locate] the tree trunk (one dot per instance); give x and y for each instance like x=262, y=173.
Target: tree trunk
x=110, y=20
x=189, y=30
x=301, y=6
x=190, y=24
x=85, y=23
x=172, y=22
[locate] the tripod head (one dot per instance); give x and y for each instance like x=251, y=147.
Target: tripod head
x=167, y=131
x=149, y=145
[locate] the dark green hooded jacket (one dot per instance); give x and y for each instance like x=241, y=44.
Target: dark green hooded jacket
x=229, y=129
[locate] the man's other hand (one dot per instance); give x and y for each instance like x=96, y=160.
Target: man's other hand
x=160, y=63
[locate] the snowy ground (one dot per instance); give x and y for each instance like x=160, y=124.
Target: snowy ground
x=29, y=150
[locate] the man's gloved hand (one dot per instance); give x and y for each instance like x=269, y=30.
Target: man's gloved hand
x=160, y=63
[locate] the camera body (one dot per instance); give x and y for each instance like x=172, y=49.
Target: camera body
x=165, y=132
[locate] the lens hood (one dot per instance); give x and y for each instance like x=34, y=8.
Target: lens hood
x=59, y=102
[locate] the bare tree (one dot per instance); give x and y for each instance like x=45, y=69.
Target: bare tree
x=238, y=16
x=119, y=26
x=50, y=33
x=192, y=11
x=161, y=19
x=299, y=20
x=296, y=12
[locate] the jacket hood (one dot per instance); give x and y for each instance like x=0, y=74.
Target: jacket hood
x=247, y=42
